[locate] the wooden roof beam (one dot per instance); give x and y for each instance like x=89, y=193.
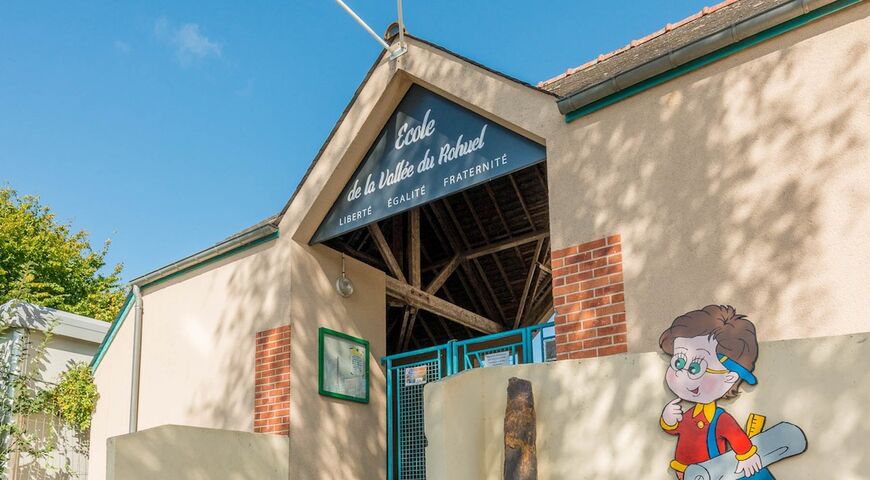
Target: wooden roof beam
x=480, y=271
x=405, y=317
x=414, y=246
x=540, y=312
x=490, y=303
x=497, y=247
x=409, y=334
x=359, y=255
x=386, y=252
x=522, y=202
x=416, y=297
x=483, y=232
x=533, y=266
x=506, y=244
x=444, y=274
x=428, y=332
x=465, y=270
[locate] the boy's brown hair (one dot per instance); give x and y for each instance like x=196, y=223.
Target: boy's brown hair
x=733, y=332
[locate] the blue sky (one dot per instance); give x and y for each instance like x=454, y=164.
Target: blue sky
x=168, y=126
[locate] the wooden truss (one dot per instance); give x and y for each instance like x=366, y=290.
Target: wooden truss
x=483, y=253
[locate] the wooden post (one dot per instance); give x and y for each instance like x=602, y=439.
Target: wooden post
x=414, y=247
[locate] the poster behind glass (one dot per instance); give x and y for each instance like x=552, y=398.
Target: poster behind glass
x=343, y=366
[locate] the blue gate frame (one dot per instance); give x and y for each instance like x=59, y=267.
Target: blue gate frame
x=406, y=440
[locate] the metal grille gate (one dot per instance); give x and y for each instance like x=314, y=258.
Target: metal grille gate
x=408, y=373
x=412, y=440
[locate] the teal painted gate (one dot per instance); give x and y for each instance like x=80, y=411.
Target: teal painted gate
x=409, y=372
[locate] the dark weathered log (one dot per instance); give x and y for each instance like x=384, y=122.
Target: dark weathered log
x=520, y=432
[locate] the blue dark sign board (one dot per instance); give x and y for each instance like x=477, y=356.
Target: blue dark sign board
x=429, y=148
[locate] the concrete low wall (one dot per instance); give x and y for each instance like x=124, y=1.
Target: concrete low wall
x=599, y=418
x=174, y=452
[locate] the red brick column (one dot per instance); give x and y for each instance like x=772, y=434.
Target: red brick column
x=272, y=382
x=589, y=298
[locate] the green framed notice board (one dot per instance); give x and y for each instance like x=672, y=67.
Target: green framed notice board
x=342, y=366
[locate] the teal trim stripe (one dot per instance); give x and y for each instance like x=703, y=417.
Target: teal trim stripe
x=217, y=258
x=128, y=302
x=113, y=330
x=710, y=58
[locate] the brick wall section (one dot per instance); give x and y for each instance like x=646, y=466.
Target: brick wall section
x=589, y=297
x=272, y=382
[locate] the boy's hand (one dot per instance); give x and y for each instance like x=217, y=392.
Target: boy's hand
x=750, y=466
x=673, y=413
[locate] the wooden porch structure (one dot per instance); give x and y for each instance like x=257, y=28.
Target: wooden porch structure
x=473, y=263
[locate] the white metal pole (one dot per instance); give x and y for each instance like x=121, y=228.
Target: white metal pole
x=363, y=24
x=137, y=360
x=401, y=25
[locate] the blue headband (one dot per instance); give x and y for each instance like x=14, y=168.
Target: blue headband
x=733, y=366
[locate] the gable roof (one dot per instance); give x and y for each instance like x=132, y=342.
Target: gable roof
x=361, y=86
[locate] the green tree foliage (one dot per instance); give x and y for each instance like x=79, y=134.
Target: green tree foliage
x=74, y=398
x=43, y=261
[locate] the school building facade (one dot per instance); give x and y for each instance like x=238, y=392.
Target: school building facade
x=722, y=160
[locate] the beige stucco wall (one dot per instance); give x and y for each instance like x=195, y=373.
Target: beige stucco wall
x=198, y=340
x=174, y=452
x=331, y=438
x=745, y=182
x=112, y=379
x=197, y=349
x=599, y=419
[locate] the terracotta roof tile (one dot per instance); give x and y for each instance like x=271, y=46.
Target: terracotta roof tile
x=669, y=37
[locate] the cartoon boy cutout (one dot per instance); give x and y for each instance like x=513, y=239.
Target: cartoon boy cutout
x=713, y=351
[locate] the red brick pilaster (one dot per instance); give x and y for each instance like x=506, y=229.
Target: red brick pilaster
x=589, y=298
x=272, y=381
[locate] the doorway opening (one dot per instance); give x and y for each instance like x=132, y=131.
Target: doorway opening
x=466, y=265
x=468, y=286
